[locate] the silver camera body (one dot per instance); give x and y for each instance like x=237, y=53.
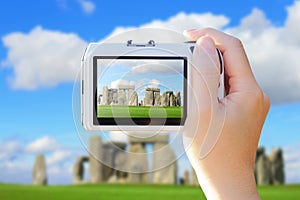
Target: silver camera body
x=137, y=87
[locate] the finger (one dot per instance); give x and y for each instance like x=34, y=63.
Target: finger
x=205, y=71
x=237, y=66
x=203, y=87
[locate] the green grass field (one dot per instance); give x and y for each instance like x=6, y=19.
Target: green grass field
x=129, y=192
x=139, y=112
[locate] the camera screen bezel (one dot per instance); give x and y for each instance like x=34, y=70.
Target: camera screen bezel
x=139, y=121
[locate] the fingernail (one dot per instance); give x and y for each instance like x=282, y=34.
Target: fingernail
x=207, y=43
x=188, y=32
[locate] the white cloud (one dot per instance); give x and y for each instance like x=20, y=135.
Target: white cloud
x=17, y=159
x=42, y=145
x=153, y=83
x=9, y=150
x=59, y=156
x=156, y=30
x=87, y=6
x=115, y=84
x=43, y=58
x=273, y=50
x=273, y=53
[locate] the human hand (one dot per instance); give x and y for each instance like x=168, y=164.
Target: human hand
x=221, y=135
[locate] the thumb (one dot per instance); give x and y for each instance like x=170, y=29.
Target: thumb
x=205, y=72
x=203, y=87
x=204, y=122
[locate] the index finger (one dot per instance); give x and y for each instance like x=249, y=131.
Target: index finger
x=237, y=66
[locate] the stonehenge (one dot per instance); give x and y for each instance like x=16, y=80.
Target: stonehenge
x=269, y=169
x=137, y=163
x=95, y=156
x=78, y=169
x=168, y=98
x=118, y=162
x=39, y=172
x=109, y=164
x=277, y=166
x=166, y=165
x=126, y=95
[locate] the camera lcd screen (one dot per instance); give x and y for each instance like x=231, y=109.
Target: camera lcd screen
x=139, y=90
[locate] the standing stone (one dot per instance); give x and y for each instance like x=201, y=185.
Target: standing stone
x=186, y=177
x=263, y=170
x=109, y=96
x=178, y=99
x=120, y=165
x=172, y=100
x=194, y=177
x=277, y=166
x=149, y=97
x=95, y=156
x=165, y=99
x=114, y=95
x=156, y=94
x=39, y=173
x=99, y=99
x=165, y=162
x=107, y=159
x=105, y=96
x=122, y=97
x=130, y=93
x=259, y=152
x=137, y=163
x=133, y=99
x=78, y=169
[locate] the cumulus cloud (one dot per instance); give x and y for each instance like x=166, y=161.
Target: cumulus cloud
x=9, y=150
x=42, y=58
x=47, y=58
x=17, y=158
x=87, y=6
x=154, y=83
x=42, y=145
x=115, y=84
x=59, y=156
x=273, y=53
x=178, y=23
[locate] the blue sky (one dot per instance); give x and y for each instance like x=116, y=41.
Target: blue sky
x=42, y=43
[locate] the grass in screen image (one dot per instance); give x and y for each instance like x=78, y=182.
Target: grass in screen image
x=105, y=111
x=129, y=192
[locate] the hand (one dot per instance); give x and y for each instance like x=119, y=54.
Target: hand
x=221, y=135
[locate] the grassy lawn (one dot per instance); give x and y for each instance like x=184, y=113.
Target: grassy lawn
x=139, y=112
x=129, y=192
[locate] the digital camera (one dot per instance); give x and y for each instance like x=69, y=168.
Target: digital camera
x=137, y=87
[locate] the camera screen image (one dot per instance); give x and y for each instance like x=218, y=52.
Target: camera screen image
x=139, y=90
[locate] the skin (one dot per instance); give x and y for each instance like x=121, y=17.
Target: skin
x=221, y=145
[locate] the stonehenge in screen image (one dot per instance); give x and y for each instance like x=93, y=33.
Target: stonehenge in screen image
x=126, y=95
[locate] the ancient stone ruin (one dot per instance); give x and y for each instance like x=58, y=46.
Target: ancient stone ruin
x=78, y=170
x=132, y=167
x=269, y=169
x=39, y=173
x=126, y=95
